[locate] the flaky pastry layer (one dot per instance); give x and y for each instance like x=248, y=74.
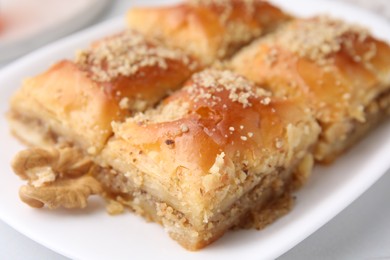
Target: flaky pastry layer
x=210, y=30
x=213, y=153
x=338, y=69
x=109, y=81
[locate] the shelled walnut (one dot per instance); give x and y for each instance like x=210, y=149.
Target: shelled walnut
x=57, y=177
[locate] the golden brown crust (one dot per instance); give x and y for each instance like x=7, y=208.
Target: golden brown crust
x=208, y=29
x=336, y=68
x=66, y=100
x=221, y=148
x=230, y=135
x=114, y=78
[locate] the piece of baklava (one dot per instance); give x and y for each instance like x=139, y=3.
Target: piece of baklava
x=339, y=70
x=210, y=152
x=76, y=101
x=208, y=29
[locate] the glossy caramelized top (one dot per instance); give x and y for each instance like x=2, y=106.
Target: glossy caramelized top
x=108, y=81
x=216, y=132
x=336, y=67
x=129, y=65
x=208, y=29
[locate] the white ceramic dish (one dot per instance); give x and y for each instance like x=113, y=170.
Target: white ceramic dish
x=92, y=234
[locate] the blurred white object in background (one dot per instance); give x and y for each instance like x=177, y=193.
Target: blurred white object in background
x=379, y=6
x=28, y=24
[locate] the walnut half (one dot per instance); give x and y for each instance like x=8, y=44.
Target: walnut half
x=68, y=193
x=57, y=177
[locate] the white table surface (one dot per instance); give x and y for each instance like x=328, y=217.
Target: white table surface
x=362, y=231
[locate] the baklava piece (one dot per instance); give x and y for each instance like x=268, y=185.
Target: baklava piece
x=208, y=29
x=339, y=70
x=212, y=151
x=76, y=101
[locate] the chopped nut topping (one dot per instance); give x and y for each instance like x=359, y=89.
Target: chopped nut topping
x=184, y=128
x=266, y=101
x=244, y=138
x=124, y=103
x=271, y=57
x=318, y=39
x=208, y=82
x=124, y=55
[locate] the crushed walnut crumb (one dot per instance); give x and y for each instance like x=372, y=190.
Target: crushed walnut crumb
x=266, y=101
x=271, y=57
x=125, y=54
x=184, y=128
x=244, y=138
x=208, y=82
x=124, y=103
x=318, y=38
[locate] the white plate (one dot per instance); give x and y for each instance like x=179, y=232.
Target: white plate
x=92, y=234
x=29, y=24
